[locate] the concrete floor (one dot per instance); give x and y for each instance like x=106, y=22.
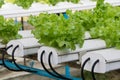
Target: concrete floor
x=32, y=77
x=10, y=75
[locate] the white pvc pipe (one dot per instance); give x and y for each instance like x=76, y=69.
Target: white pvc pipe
x=15, y=11
x=27, y=46
x=27, y=43
x=2, y=45
x=109, y=59
x=58, y=56
x=87, y=35
x=26, y=34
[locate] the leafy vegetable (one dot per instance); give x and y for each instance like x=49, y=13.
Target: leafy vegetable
x=56, y=31
x=24, y=3
x=8, y=30
x=27, y=3
x=107, y=26
x=94, y=0
x=1, y=3
x=73, y=1
x=86, y=18
x=44, y=1
x=10, y=1
x=53, y=2
x=102, y=22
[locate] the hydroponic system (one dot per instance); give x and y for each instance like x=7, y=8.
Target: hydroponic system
x=85, y=32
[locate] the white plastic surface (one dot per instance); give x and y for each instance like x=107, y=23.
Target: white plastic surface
x=110, y=55
x=68, y=58
x=99, y=68
x=2, y=45
x=92, y=44
x=68, y=55
x=9, y=6
x=89, y=45
x=19, y=51
x=54, y=57
x=25, y=43
x=87, y=35
x=26, y=34
x=109, y=60
x=10, y=10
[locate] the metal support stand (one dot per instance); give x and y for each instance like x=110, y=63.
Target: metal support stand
x=22, y=21
x=24, y=60
x=67, y=73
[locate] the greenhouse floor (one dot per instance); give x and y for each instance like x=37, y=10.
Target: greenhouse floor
x=9, y=75
x=24, y=76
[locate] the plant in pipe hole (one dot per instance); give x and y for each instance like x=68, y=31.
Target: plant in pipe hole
x=27, y=3
x=24, y=3
x=54, y=2
x=58, y=32
x=106, y=20
x=8, y=30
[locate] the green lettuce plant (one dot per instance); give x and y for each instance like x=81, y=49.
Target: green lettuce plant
x=8, y=30
x=56, y=31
